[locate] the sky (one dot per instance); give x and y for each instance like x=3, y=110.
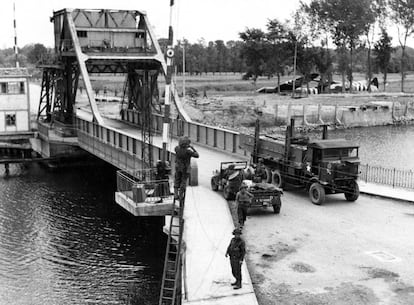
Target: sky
x=193, y=19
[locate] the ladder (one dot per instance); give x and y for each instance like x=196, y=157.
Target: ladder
x=171, y=278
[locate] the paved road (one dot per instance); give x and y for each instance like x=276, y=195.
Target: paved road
x=337, y=253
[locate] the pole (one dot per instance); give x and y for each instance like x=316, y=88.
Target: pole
x=15, y=36
x=294, y=68
x=183, y=68
x=167, y=104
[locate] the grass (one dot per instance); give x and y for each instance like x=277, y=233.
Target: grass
x=232, y=83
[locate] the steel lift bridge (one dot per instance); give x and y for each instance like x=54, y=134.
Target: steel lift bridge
x=110, y=42
x=89, y=42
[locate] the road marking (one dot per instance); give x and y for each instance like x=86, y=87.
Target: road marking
x=383, y=256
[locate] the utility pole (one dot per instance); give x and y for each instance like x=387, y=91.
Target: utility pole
x=15, y=35
x=167, y=103
x=183, y=68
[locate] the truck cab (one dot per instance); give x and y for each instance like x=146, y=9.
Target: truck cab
x=333, y=164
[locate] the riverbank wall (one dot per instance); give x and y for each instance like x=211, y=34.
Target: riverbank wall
x=375, y=113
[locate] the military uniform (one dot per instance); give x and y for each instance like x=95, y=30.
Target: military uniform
x=183, y=154
x=236, y=250
x=243, y=200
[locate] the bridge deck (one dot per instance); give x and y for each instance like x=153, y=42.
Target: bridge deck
x=208, y=230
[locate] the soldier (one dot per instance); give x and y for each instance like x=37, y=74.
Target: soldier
x=183, y=153
x=236, y=250
x=162, y=188
x=260, y=172
x=243, y=199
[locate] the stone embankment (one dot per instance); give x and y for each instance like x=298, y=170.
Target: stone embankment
x=236, y=112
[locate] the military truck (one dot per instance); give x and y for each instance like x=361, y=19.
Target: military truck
x=324, y=166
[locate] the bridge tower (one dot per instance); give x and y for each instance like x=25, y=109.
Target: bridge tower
x=103, y=42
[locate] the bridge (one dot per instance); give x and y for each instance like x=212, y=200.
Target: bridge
x=71, y=126
x=107, y=42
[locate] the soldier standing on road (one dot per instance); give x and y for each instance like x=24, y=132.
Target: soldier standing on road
x=236, y=250
x=183, y=153
x=243, y=200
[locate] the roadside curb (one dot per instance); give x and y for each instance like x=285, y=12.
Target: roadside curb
x=388, y=196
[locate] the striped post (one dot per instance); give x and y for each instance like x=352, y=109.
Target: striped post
x=167, y=104
x=15, y=36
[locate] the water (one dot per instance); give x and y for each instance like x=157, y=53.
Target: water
x=63, y=240
x=386, y=146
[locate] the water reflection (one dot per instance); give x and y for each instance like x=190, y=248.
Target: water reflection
x=64, y=241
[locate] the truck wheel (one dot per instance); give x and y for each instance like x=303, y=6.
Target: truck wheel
x=353, y=193
x=276, y=204
x=214, y=184
x=317, y=193
x=228, y=195
x=277, y=178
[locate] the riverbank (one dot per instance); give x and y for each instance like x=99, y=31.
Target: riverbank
x=240, y=111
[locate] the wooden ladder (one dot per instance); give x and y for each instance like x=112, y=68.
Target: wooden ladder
x=172, y=264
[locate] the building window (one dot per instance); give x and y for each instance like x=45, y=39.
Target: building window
x=10, y=120
x=3, y=88
x=82, y=34
x=13, y=88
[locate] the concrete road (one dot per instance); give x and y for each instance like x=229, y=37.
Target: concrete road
x=346, y=253
x=337, y=253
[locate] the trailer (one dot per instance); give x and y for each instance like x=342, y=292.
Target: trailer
x=321, y=167
x=231, y=175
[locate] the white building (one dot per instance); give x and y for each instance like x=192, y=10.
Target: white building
x=14, y=101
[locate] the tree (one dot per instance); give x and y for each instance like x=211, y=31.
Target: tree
x=276, y=50
x=346, y=20
x=382, y=52
x=253, y=51
x=403, y=17
x=37, y=53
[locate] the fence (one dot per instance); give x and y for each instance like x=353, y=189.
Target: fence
x=388, y=176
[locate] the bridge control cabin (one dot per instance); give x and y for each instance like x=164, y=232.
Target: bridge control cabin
x=14, y=101
x=102, y=31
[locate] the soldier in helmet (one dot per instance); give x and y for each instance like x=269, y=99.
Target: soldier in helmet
x=183, y=154
x=243, y=200
x=162, y=170
x=236, y=250
x=260, y=172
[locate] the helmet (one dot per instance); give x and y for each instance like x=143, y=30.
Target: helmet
x=237, y=231
x=260, y=160
x=184, y=141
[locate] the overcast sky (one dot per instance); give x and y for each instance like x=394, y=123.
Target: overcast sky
x=193, y=19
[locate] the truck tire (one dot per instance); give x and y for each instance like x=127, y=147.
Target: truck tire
x=276, y=204
x=214, y=184
x=353, y=193
x=277, y=179
x=317, y=193
x=228, y=195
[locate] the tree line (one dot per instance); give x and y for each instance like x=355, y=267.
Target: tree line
x=323, y=36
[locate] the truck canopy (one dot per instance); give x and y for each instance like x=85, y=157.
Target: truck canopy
x=333, y=143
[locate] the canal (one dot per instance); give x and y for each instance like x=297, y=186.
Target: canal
x=63, y=240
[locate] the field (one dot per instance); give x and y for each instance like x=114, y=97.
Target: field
x=224, y=99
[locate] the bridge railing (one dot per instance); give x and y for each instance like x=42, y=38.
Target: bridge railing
x=142, y=188
x=219, y=138
x=388, y=176
x=115, y=146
